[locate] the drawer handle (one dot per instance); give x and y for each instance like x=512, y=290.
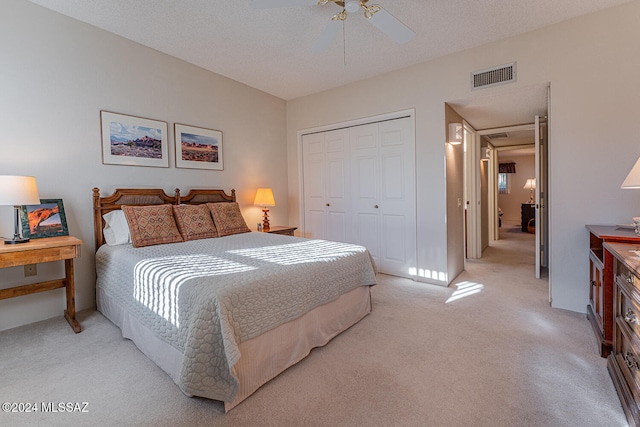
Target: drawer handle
x=631, y=318
x=629, y=360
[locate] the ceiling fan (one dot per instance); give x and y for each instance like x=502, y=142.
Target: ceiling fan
x=379, y=17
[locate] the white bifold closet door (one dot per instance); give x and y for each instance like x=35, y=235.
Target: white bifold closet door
x=377, y=209
x=326, y=185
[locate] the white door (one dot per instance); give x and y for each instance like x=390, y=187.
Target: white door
x=365, y=172
x=325, y=185
x=542, y=196
x=472, y=193
x=383, y=193
x=337, y=186
x=397, y=197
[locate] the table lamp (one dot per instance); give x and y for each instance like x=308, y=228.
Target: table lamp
x=530, y=185
x=16, y=191
x=633, y=178
x=632, y=181
x=264, y=197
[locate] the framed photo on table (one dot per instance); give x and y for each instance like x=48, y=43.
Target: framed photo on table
x=198, y=148
x=134, y=141
x=46, y=219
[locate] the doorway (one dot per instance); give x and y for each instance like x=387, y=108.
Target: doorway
x=506, y=127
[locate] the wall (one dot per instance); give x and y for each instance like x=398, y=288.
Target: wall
x=56, y=76
x=593, y=112
x=511, y=203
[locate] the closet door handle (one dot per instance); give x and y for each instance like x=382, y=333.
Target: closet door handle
x=375, y=206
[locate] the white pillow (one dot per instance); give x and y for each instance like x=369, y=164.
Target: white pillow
x=116, y=232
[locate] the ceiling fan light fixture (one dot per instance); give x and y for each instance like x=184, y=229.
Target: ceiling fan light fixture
x=352, y=6
x=340, y=16
x=369, y=11
x=375, y=14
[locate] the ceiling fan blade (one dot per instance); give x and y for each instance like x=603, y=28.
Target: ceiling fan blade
x=271, y=4
x=392, y=27
x=326, y=37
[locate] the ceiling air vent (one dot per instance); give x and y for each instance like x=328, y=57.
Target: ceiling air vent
x=493, y=76
x=500, y=135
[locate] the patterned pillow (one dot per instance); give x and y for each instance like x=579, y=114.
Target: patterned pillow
x=151, y=225
x=228, y=218
x=194, y=222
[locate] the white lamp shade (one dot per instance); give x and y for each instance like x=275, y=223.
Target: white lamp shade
x=18, y=190
x=633, y=178
x=530, y=184
x=264, y=197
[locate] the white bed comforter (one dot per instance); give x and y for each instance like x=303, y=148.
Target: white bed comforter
x=204, y=297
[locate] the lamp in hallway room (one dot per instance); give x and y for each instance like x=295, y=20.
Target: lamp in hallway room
x=16, y=191
x=530, y=185
x=264, y=197
x=632, y=181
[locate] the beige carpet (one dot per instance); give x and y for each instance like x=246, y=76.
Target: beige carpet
x=487, y=351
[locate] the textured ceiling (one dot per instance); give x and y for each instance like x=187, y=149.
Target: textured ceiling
x=271, y=49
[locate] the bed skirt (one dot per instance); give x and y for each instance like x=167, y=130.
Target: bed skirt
x=263, y=357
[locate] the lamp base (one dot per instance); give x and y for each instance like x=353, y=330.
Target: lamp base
x=265, y=220
x=17, y=236
x=15, y=241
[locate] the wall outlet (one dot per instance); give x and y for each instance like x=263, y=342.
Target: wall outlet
x=30, y=270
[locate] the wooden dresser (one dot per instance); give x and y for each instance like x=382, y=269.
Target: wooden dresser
x=624, y=361
x=601, y=281
x=527, y=212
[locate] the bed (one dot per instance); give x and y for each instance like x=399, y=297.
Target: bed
x=222, y=315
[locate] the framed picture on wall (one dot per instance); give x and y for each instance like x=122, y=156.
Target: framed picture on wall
x=134, y=141
x=198, y=148
x=46, y=219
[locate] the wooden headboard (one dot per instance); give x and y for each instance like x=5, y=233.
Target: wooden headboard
x=148, y=196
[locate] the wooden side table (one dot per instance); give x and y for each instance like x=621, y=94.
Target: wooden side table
x=279, y=229
x=36, y=251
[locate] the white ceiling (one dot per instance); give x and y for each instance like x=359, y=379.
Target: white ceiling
x=271, y=49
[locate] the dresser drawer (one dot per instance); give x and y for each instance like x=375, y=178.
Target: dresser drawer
x=629, y=310
x=628, y=357
x=624, y=276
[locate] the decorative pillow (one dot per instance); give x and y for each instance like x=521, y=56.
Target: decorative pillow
x=194, y=222
x=116, y=230
x=227, y=218
x=151, y=225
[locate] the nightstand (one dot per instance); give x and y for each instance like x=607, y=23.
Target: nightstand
x=279, y=229
x=61, y=248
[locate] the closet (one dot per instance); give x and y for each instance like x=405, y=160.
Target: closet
x=359, y=187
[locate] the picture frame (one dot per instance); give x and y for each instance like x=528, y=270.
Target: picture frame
x=134, y=141
x=198, y=148
x=46, y=219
